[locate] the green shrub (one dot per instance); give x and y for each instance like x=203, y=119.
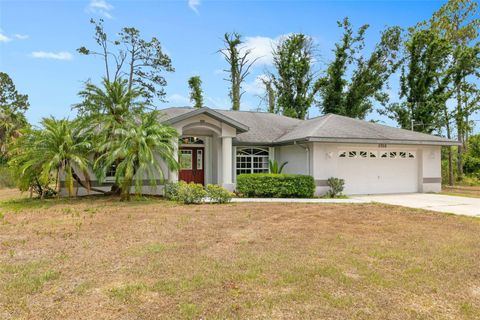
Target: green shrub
x=190, y=193
x=171, y=190
x=276, y=185
x=218, y=194
x=336, y=187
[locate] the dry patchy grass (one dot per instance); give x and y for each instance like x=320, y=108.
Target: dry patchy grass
x=462, y=191
x=98, y=258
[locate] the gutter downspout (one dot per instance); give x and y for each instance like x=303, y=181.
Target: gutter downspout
x=307, y=150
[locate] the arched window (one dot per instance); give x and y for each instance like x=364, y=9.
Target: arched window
x=191, y=140
x=252, y=160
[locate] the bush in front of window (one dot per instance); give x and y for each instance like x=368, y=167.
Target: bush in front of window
x=336, y=187
x=218, y=194
x=276, y=185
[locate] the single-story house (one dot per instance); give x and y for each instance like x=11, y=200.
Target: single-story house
x=217, y=145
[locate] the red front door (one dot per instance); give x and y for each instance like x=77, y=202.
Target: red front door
x=191, y=164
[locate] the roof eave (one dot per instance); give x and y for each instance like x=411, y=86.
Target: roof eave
x=384, y=141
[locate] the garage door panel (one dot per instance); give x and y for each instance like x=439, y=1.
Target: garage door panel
x=378, y=175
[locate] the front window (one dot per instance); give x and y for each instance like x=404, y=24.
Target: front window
x=252, y=160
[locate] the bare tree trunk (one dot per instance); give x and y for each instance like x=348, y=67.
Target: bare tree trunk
x=460, y=133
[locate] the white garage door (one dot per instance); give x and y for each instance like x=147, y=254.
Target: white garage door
x=373, y=172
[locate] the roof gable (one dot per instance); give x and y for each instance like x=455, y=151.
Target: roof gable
x=211, y=113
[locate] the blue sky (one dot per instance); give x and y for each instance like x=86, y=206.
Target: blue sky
x=38, y=41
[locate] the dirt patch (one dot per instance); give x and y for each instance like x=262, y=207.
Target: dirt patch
x=98, y=258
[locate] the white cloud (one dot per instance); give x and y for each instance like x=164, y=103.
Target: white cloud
x=100, y=7
x=4, y=38
x=261, y=49
x=63, y=55
x=21, y=36
x=256, y=87
x=179, y=99
x=193, y=4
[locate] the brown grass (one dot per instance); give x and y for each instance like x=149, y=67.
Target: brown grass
x=101, y=259
x=465, y=191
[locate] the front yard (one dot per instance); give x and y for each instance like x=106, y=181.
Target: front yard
x=99, y=258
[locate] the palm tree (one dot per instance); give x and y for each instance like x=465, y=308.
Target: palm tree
x=56, y=150
x=137, y=149
x=111, y=105
x=11, y=124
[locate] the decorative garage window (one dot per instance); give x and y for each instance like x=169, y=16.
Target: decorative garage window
x=377, y=154
x=252, y=160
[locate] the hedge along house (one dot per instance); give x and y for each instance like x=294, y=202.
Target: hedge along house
x=217, y=145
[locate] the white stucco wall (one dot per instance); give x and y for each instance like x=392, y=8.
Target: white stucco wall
x=299, y=158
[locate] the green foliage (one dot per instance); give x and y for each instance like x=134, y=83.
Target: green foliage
x=136, y=150
x=218, y=194
x=421, y=86
x=336, y=187
x=472, y=156
x=171, y=190
x=12, y=108
x=190, y=193
x=355, y=98
x=275, y=168
x=141, y=61
x=239, y=65
x=276, y=185
x=40, y=157
x=196, y=93
x=293, y=58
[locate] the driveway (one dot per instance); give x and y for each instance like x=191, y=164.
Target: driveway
x=434, y=202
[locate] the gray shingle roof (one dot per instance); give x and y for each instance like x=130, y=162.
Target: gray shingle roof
x=268, y=128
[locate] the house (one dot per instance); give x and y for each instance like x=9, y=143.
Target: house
x=217, y=145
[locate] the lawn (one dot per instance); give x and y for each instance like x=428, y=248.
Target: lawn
x=98, y=258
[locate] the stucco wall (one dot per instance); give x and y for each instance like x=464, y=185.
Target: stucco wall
x=298, y=156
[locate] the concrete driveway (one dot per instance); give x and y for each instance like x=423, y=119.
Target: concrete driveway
x=434, y=202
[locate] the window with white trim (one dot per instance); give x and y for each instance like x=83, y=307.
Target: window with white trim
x=252, y=160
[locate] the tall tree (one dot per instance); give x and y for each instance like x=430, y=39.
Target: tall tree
x=294, y=79
x=422, y=86
x=12, y=108
x=196, y=93
x=270, y=94
x=130, y=56
x=369, y=77
x=104, y=110
x=458, y=22
x=239, y=62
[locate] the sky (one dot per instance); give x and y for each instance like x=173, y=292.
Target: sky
x=38, y=42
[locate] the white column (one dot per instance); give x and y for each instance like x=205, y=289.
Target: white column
x=227, y=163
x=173, y=174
